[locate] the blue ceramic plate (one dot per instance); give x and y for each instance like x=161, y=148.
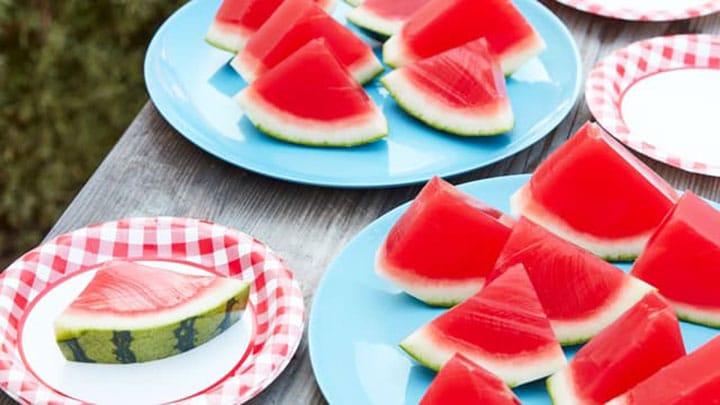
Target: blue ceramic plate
x=358, y=319
x=191, y=85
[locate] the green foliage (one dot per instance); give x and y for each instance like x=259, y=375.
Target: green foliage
x=70, y=83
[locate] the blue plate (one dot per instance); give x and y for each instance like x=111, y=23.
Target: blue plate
x=358, y=319
x=191, y=85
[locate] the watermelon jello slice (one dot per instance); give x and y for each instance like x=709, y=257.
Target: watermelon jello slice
x=581, y=293
x=502, y=328
x=691, y=380
x=682, y=259
x=461, y=91
x=595, y=193
x=311, y=99
x=236, y=20
x=460, y=382
x=384, y=17
x=639, y=343
x=295, y=23
x=444, y=245
x=445, y=24
x=132, y=313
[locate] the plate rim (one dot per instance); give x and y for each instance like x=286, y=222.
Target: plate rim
x=282, y=299
x=597, y=7
x=175, y=119
x=603, y=92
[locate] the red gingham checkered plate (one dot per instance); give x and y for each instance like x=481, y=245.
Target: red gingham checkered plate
x=610, y=78
x=275, y=295
x=624, y=10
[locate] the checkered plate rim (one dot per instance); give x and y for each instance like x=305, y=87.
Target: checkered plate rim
x=275, y=295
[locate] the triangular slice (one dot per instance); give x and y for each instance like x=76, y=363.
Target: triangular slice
x=444, y=245
x=682, y=259
x=594, y=193
x=639, y=343
x=502, y=328
x=693, y=379
x=581, y=293
x=236, y=20
x=461, y=91
x=384, y=17
x=460, y=381
x=132, y=313
x=311, y=99
x=445, y=24
x=294, y=24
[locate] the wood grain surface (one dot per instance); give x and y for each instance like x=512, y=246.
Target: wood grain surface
x=153, y=171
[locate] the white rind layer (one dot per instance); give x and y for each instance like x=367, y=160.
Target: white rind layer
x=364, y=18
x=621, y=400
x=429, y=291
x=512, y=60
x=246, y=66
x=523, y=204
x=425, y=107
x=277, y=123
x=228, y=37
x=84, y=320
x=561, y=389
x=574, y=332
x=395, y=53
x=362, y=71
x=366, y=69
x=514, y=371
x=695, y=314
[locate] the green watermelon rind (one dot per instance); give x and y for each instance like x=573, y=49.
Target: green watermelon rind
x=97, y=346
x=328, y=144
x=412, y=345
x=394, y=79
x=690, y=313
x=354, y=3
x=218, y=45
x=226, y=37
x=254, y=107
x=560, y=391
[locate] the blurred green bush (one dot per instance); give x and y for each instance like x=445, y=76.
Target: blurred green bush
x=70, y=83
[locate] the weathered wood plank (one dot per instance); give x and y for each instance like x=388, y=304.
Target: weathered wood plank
x=154, y=171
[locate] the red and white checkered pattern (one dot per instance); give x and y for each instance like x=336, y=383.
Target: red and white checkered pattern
x=275, y=294
x=610, y=78
x=679, y=12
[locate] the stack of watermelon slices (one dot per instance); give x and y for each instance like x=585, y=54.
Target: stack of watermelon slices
x=542, y=289
x=289, y=49
x=456, y=85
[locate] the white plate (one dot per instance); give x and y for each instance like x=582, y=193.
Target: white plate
x=233, y=367
x=661, y=97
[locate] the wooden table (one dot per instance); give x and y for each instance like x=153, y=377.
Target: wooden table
x=153, y=170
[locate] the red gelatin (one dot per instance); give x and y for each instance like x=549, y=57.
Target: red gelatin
x=444, y=245
x=639, y=343
x=462, y=382
x=681, y=260
x=581, y=293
